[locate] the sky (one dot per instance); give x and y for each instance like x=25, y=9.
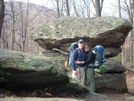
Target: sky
x=108, y=5
x=39, y=2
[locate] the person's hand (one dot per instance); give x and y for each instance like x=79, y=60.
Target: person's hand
x=77, y=62
x=75, y=73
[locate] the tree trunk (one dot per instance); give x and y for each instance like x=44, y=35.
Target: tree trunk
x=75, y=9
x=132, y=21
x=123, y=49
x=68, y=12
x=13, y=23
x=26, y=27
x=119, y=8
x=58, y=8
x=1, y=14
x=97, y=8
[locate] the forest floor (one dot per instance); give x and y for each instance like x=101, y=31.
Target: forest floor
x=47, y=92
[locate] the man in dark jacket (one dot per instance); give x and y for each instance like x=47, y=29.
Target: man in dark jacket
x=78, y=72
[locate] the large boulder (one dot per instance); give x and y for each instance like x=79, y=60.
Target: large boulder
x=112, y=66
x=113, y=77
x=114, y=81
x=20, y=70
x=107, y=31
x=24, y=70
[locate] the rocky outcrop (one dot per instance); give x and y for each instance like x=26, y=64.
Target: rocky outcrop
x=107, y=31
x=25, y=70
x=114, y=81
x=20, y=70
x=113, y=66
x=112, y=77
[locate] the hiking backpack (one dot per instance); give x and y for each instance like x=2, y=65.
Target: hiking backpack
x=97, y=63
x=71, y=50
x=99, y=56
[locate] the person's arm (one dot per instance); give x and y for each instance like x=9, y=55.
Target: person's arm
x=79, y=62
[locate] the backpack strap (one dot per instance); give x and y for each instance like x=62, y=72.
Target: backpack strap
x=94, y=51
x=78, y=53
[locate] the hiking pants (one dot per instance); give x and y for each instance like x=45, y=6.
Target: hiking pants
x=90, y=80
x=80, y=75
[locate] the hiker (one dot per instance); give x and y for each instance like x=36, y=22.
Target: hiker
x=91, y=57
x=89, y=71
x=79, y=67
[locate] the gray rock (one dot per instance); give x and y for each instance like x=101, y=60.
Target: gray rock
x=111, y=81
x=112, y=66
x=107, y=31
x=20, y=70
x=31, y=71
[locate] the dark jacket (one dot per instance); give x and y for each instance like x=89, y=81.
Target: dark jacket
x=78, y=55
x=90, y=57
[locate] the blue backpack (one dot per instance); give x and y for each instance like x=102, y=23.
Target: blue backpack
x=99, y=56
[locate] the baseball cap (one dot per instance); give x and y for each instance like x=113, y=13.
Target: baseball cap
x=80, y=40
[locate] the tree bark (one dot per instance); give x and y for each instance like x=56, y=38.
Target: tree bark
x=132, y=15
x=58, y=8
x=68, y=11
x=123, y=49
x=119, y=8
x=13, y=24
x=97, y=8
x=1, y=14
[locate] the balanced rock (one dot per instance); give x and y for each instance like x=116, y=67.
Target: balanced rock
x=107, y=31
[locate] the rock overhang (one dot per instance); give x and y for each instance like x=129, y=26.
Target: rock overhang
x=106, y=31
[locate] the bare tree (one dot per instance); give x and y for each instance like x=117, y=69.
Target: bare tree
x=1, y=14
x=119, y=8
x=67, y=6
x=132, y=32
x=75, y=9
x=62, y=7
x=98, y=5
x=129, y=9
x=19, y=18
x=13, y=16
x=87, y=5
x=4, y=38
x=26, y=23
x=58, y=8
x=123, y=48
x=80, y=8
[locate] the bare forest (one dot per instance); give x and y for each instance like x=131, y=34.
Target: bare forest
x=17, y=18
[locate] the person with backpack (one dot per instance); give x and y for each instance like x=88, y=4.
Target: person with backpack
x=93, y=55
x=78, y=69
